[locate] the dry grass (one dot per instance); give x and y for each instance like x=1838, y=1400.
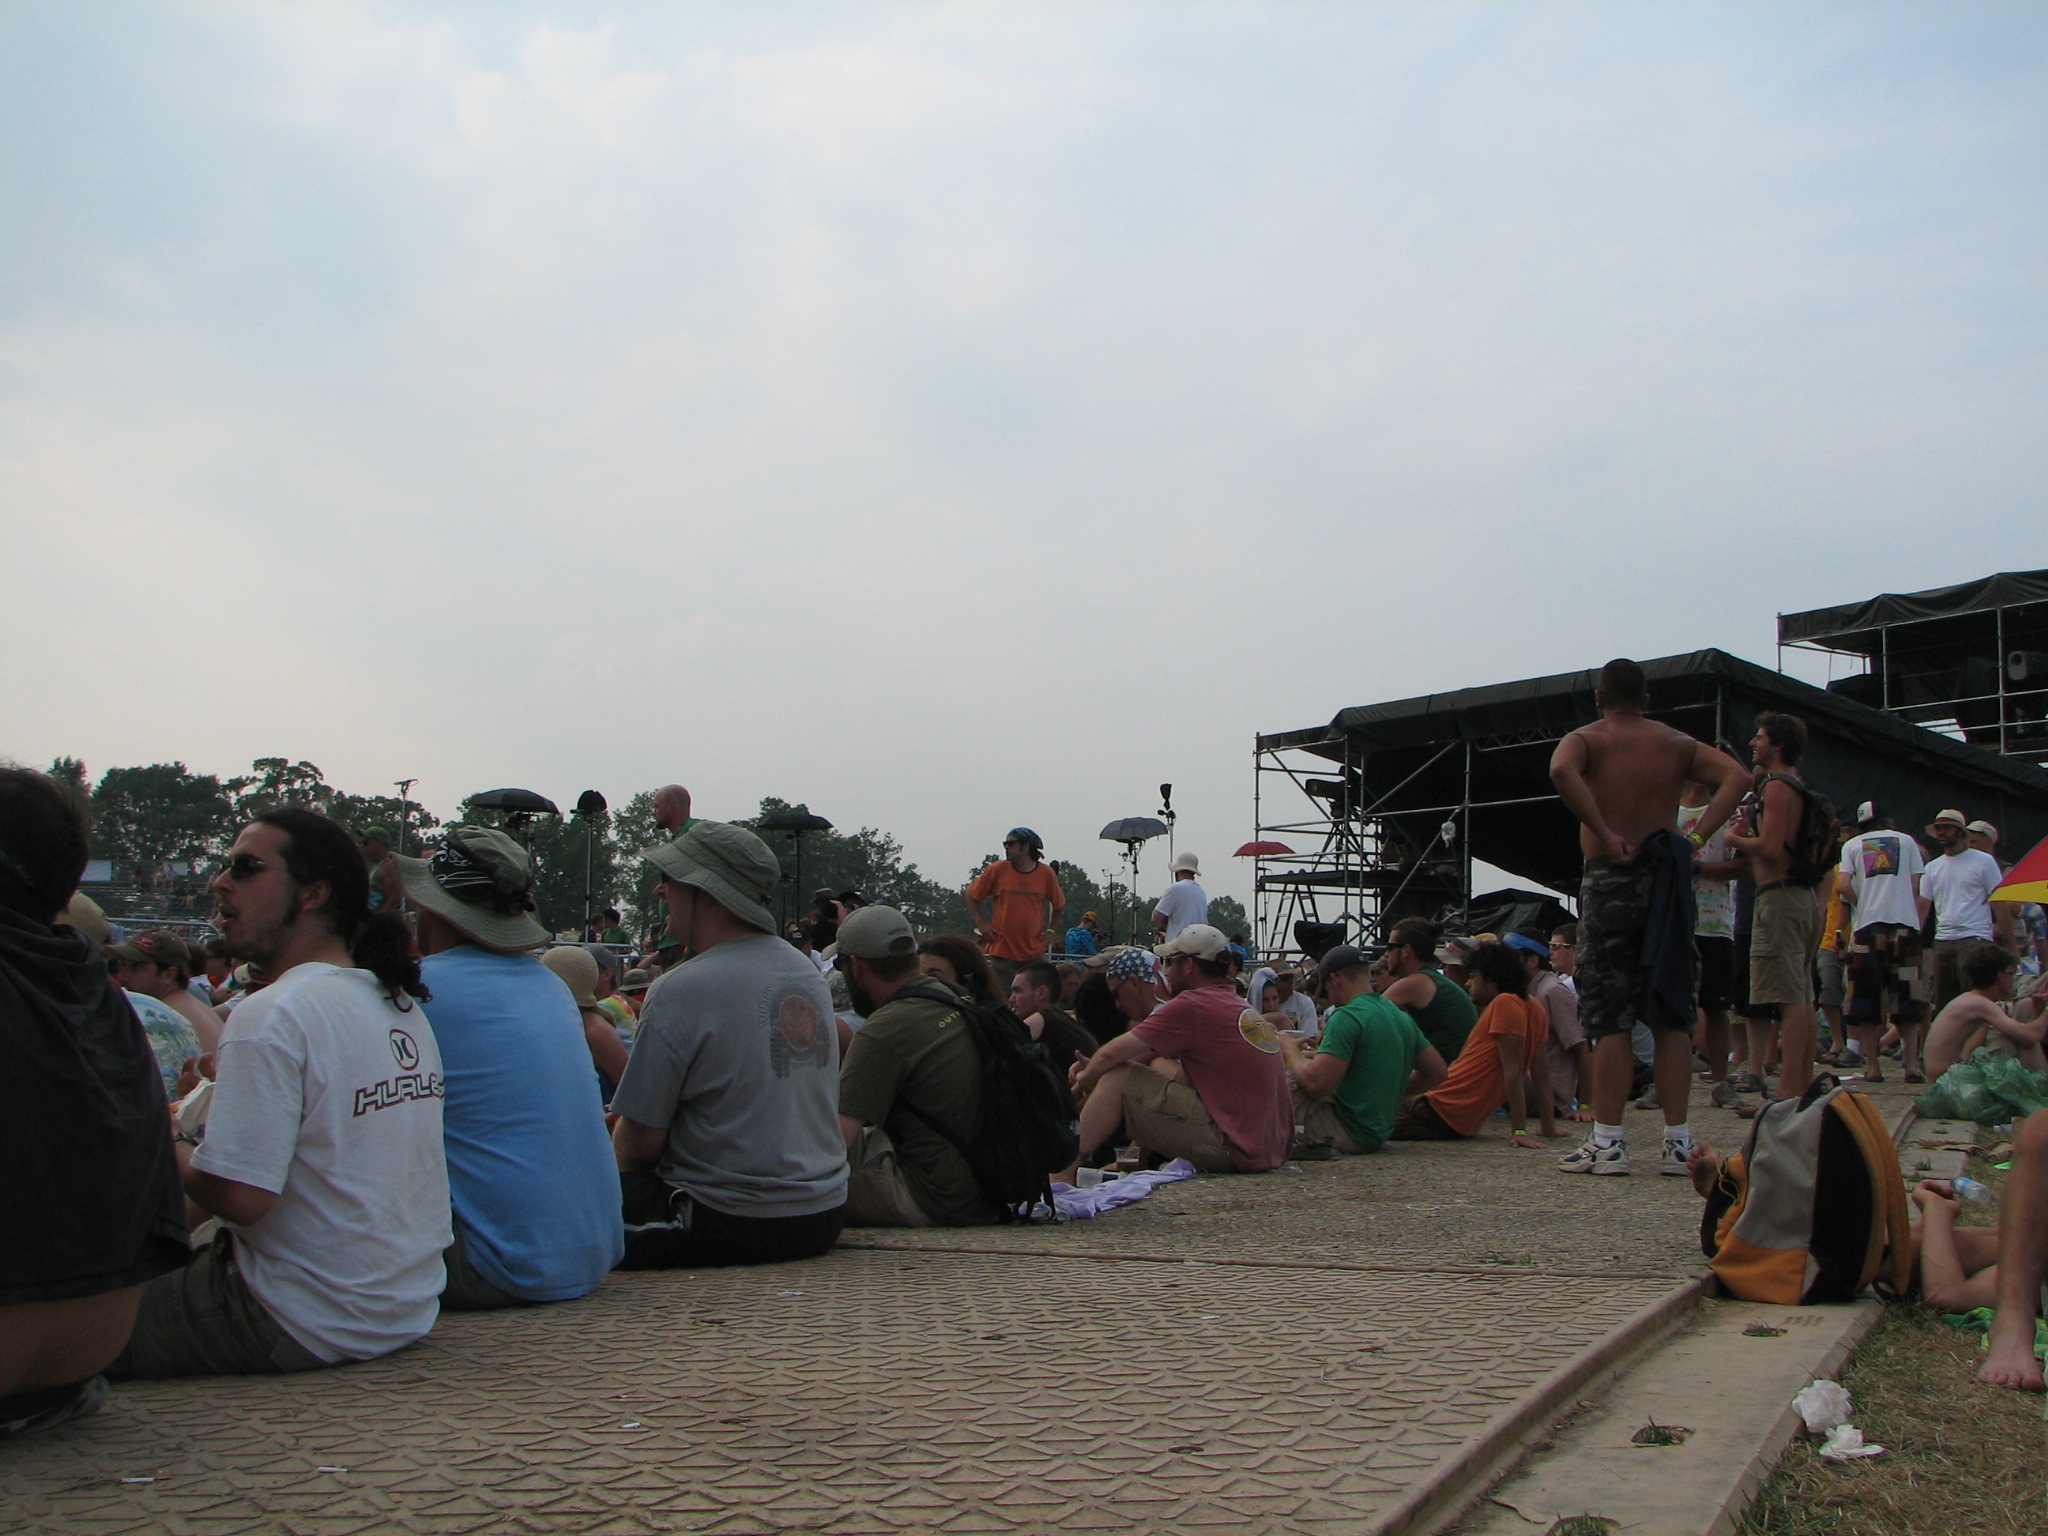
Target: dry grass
x=1961, y=1458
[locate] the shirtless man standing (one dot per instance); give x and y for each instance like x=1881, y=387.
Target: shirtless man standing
x=1622, y=777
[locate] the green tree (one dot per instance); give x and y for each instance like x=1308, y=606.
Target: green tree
x=160, y=814
x=869, y=861
x=69, y=770
x=357, y=812
x=275, y=781
x=572, y=859
x=1228, y=913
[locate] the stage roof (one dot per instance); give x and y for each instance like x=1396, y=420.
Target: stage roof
x=1395, y=756
x=1855, y=626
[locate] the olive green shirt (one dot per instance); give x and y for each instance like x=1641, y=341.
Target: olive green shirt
x=917, y=1050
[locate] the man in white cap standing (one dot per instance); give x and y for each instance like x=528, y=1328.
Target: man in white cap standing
x=1185, y=901
x=530, y=1170
x=1959, y=885
x=728, y=1132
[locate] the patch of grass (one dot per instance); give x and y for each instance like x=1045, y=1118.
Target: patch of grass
x=1584, y=1525
x=1959, y=1456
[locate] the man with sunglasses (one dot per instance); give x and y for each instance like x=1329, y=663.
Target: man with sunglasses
x=1024, y=901
x=322, y=1156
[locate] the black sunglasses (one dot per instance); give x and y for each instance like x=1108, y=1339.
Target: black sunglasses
x=244, y=866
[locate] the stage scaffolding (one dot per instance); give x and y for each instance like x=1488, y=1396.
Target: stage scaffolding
x=1387, y=805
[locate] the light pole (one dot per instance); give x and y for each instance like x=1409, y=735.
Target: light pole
x=590, y=810
x=404, y=787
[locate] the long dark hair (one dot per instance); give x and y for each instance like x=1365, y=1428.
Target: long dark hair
x=319, y=850
x=43, y=844
x=968, y=962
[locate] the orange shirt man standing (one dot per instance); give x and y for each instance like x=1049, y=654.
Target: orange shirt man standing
x=1024, y=903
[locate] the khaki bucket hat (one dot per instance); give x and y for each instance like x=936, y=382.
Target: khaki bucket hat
x=480, y=881
x=727, y=863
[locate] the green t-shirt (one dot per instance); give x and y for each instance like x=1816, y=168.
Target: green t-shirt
x=917, y=1050
x=1448, y=1019
x=1381, y=1042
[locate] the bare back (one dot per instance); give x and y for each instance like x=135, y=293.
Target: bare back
x=1636, y=770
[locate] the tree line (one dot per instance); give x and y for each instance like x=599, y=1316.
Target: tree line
x=164, y=818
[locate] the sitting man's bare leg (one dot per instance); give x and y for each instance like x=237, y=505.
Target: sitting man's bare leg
x=2022, y=1259
x=1958, y=1265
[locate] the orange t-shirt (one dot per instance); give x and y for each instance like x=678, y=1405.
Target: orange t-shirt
x=1477, y=1086
x=1018, y=910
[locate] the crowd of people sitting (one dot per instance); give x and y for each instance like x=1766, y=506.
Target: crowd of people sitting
x=384, y=1089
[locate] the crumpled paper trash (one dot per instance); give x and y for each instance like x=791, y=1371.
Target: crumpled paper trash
x=1845, y=1443
x=1823, y=1405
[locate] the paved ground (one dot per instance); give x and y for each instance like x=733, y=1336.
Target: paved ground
x=1296, y=1352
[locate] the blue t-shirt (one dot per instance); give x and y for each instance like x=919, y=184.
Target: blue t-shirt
x=530, y=1166
x=1081, y=941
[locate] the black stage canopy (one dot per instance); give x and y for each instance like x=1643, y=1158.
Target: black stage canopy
x=1482, y=756
x=1856, y=626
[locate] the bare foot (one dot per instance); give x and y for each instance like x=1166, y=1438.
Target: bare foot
x=1703, y=1167
x=2010, y=1360
x=1528, y=1139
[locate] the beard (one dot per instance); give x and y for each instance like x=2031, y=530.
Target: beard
x=863, y=1000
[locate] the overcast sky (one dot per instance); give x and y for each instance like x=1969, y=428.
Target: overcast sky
x=962, y=415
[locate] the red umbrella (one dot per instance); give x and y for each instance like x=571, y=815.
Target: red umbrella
x=2029, y=878
x=1261, y=850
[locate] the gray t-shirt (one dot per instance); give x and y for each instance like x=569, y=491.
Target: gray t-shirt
x=737, y=1055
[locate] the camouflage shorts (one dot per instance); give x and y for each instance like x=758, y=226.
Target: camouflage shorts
x=1614, y=914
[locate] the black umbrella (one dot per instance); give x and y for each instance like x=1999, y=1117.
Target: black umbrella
x=517, y=806
x=1133, y=829
x=796, y=824
x=1132, y=832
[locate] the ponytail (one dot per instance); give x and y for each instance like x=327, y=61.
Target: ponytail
x=318, y=850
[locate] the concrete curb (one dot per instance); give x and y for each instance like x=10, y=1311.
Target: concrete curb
x=1462, y=1479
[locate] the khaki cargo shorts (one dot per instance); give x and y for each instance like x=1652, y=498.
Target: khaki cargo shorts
x=1784, y=936
x=1163, y=1114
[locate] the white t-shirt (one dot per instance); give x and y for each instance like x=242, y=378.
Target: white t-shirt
x=1303, y=1012
x=1881, y=866
x=1960, y=886
x=329, y=1096
x=1184, y=902
x=1713, y=900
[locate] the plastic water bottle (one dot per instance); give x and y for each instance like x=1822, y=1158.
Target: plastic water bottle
x=1971, y=1190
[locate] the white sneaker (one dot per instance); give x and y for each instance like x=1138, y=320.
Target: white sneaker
x=1593, y=1158
x=1676, y=1155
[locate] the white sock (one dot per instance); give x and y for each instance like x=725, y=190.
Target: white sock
x=1607, y=1135
x=1682, y=1134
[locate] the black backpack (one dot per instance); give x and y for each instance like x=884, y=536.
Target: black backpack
x=1029, y=1128
x=1817, y=845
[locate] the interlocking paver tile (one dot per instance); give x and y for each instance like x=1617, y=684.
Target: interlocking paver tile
x=1292, y=1354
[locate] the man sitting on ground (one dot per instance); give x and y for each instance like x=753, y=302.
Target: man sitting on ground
x=1440, y=1008
x=1199, y=1078
x=1988, y=972
x=1483, y=1079
x=910, y=1091
x=1285, y=1007
x=158, y=965
x=727, y=1143
x=323, y=1156
x=1371, y=1058
x=1034, y=998
x=92, y=1204
x=530, y=1169
x=579, y=973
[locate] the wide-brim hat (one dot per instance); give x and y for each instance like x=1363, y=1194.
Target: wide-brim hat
x=1953, y=817
x=476, y=882
x=727, y=863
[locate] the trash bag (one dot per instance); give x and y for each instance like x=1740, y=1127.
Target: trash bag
x=1960, y=1093
x=2012, y=1085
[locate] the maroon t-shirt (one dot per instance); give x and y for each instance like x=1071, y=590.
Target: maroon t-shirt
x=1231, y=1058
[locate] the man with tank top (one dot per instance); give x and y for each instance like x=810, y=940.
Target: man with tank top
x=1440, y=1007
